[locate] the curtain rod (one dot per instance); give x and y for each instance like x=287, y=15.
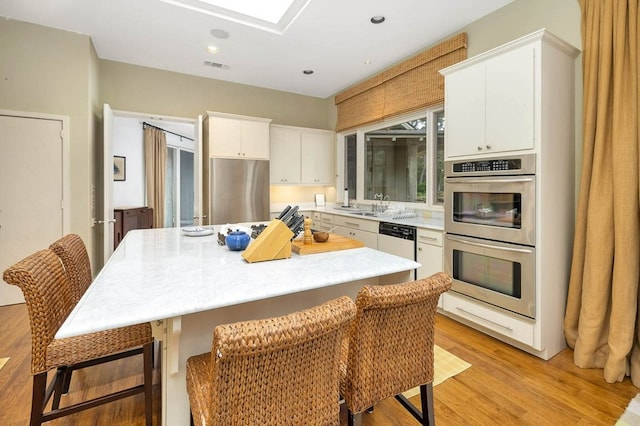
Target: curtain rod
x=144, y=123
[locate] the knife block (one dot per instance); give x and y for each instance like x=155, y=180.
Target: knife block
x=274, y=242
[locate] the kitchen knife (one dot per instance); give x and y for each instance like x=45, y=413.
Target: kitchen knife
x=283, y=212
x=297, y=225
x=289, y=214
x=293, y=214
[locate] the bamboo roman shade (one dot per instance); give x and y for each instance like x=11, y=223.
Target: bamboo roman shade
x=410, y=85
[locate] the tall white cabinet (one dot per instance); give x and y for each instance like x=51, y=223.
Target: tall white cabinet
x=519, y=99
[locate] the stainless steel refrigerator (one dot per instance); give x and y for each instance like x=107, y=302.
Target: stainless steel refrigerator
x=238, y=191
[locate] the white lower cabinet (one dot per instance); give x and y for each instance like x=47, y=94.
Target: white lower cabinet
x=429, y=254
x=359, y=229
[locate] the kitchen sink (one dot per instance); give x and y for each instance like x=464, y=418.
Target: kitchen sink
x=370, y=214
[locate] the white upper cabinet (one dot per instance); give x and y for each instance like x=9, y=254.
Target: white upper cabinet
x=494, y=101
x=301, y=156
x=316, y=157
x=237, y=136
x=285, y=155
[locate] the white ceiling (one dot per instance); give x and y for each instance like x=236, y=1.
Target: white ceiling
x=332, y=37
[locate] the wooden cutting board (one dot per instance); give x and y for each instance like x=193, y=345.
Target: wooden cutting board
x=335, y=243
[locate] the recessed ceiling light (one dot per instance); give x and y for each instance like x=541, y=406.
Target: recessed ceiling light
x=367, y=62
x=307, y=72
x=218, y=33
x=213, y=49
x=378, y=19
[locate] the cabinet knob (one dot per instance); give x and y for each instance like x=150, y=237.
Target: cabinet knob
x=479, y=148
x=488, y=146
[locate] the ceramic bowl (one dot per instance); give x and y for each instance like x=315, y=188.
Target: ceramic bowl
x=320, y=237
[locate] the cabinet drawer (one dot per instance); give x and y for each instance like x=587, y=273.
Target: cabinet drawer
x=362, y=224
x=370, y=239
x=429, y=236
x=481, y=314
x=326, y=218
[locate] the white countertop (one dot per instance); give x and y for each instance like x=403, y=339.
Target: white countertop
x=160, y=273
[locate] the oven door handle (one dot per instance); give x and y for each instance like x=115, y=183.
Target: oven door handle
x=458, y=180
x=489, y=246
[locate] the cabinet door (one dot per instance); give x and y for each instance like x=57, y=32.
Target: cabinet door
x=430, y=257
x=464, y=111
x=238, y=138
x=225, y=135
x=370, y=239
x=255, y=139
x=285, y=156
x=316, y=158
x=509, y=89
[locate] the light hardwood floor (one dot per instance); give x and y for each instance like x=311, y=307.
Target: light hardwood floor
x=503, y=386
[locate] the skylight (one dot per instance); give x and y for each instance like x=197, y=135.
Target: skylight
x=270, y=11
x=273, y=15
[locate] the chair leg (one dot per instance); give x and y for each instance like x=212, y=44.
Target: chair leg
x=425, y=417
x=354, y=419
x=426, y=398
x=61, y=376
x=38, y=398
x=148, y=383
x=67, y=380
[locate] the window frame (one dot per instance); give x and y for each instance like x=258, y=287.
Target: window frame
x=431, y=132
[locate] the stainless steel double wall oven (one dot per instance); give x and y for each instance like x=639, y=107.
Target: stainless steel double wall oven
x=490, y=226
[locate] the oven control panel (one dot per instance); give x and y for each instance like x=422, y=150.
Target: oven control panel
x=516, y=165
x=487, y=165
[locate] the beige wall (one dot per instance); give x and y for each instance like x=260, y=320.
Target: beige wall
x=43, y=70
x=147, y=90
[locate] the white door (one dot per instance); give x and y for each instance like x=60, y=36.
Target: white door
x=31, y=191
x=107, y=220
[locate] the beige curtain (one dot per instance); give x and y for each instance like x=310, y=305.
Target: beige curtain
x=601, y=321
x=155, y=158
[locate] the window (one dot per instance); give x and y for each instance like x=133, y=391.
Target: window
x=351, y=160
x=400, y=161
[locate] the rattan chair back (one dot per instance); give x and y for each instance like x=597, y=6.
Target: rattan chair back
x=73, y=254
x=390, y=346
x=49, y=298
x=276, y=371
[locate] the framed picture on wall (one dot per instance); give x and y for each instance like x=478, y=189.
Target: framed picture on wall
x=119, y=168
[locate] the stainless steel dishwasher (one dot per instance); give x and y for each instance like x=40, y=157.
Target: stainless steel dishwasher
x=399, y=240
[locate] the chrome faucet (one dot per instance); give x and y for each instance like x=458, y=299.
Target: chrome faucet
x=379, y=208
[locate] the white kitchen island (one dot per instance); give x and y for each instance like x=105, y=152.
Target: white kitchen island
x=185, y=286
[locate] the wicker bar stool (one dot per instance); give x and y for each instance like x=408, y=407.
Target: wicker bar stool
x=49, y=296
x=275, y=371
x=389, y=349
x=73, y=253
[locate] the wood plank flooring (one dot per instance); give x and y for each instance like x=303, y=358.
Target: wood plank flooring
x=503, y=386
